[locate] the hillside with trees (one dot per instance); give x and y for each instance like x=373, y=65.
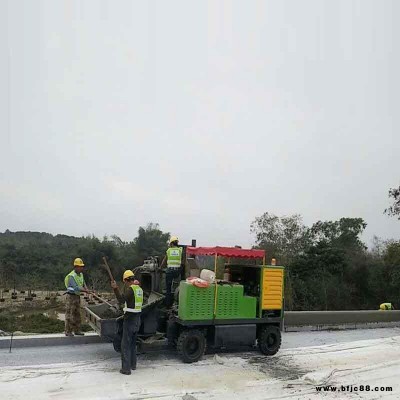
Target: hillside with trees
x=40, y=261
x=328, y=267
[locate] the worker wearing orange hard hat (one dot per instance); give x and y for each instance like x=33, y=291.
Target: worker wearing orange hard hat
x=132, y=297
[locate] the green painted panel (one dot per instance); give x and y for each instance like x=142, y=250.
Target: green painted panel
x=195, y=303
x=198, y=303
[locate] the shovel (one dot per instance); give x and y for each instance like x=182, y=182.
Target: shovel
x=108, y=269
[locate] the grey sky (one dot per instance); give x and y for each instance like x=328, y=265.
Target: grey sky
x=197, y=115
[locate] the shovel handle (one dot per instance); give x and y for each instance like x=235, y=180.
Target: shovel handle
x=108, y=269
x=102, y=300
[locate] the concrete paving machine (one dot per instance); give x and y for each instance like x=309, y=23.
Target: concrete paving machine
x=243, y=309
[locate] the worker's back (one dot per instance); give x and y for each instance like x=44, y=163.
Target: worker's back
x=386, y=306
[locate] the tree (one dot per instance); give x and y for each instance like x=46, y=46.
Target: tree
x=394, y=209
x=282, y=237
x=343, y=233
x=331, y=272
x=317, y=273
x=41, y=254
x=150, y=241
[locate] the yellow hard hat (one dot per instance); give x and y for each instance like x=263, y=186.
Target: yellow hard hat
x=173, y=239
x=127, y=274
x=78, y=262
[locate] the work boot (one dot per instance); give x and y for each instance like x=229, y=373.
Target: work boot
x=69, y=334
x=79, y=334
x=124, y=372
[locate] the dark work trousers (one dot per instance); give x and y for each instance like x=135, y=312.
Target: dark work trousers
x=170, y=275
x=128, y=345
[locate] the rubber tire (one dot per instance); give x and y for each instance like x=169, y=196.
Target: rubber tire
x=269, y=340
x=117, y=344
x=186, y=339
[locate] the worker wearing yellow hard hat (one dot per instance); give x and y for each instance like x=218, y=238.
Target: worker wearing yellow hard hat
x=132, y=298
x=386, y=306
x=127, y=274
x=78, y=262
x=173, y=260
x=75, y=284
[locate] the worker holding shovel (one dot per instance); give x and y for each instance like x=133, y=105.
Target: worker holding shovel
x=75, y=284
x=132, y=296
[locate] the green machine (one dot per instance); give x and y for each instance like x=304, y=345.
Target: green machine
x=197, y=304
x=244, y=311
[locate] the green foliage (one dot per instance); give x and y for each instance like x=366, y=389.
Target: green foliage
x=328, y=267
x=40, y=261
x=150, y=241
x=32, y=323
x=283, y=238
x=341, y=234
x=7, y=322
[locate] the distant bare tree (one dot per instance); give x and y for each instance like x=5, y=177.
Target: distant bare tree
x=394, y=209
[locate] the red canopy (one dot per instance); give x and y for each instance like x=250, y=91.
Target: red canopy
x=225, y=252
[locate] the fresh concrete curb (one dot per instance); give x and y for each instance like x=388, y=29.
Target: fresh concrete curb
x=296, y=321
x=303, y=318
x=340, y=327
x=48, y=340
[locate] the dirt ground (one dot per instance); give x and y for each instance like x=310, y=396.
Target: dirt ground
x=13, y=311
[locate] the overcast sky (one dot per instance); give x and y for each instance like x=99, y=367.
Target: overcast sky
x=197, y=115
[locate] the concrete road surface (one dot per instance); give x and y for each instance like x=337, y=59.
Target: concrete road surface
x=307, y=360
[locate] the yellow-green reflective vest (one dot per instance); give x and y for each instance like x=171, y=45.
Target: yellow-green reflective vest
x=79, y=279
x=138, y=292
x=386, y=306
x=174, y=257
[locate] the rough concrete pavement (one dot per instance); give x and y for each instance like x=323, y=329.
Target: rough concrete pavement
x=306, y=360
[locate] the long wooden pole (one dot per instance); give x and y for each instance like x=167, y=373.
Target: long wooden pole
x=108, y=269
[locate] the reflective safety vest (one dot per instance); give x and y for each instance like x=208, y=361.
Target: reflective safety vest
x=386, y=306
x=79, y=279
x=137, y=290
x=174, y=257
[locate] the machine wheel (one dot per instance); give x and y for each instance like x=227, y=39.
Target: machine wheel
x=269, y=340
x=117, y=344
x=191, y=345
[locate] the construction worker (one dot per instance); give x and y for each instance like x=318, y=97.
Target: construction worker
x=132, y=296
x=173, y=259
x=75, y=284
x=386, y=306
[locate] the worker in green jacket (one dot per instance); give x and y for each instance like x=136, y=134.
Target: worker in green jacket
x=132, y=298
x=75, y=284
x=386, y=306
x=173, y=259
